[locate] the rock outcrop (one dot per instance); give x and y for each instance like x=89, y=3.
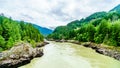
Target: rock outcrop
x=42, y=44
x=19, y=55
x=107, y=52
x=102, y=50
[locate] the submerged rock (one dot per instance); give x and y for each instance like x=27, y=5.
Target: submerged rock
x=19, y=55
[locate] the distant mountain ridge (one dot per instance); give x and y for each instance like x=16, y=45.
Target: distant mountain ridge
x=115, y=12
x=116, y=9
x=44, y=31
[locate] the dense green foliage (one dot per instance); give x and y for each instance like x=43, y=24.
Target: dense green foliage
x=100, y=27
x=106, y=32
x=13, y=31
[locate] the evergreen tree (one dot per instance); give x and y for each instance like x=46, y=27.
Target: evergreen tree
x=13, y=31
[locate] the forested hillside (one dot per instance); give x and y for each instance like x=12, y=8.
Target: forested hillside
x=100, y=27
x=12, y=31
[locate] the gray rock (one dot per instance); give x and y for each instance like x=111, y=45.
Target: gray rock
x=20, y=55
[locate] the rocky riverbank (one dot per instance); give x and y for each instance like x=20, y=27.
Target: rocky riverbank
x=113, y=52
x=19, y=55
x=42, y=44
x=101, y=49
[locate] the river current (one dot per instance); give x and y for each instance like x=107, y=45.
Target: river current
x=69, y=55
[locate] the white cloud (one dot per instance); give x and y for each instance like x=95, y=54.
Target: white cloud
x=52, y=13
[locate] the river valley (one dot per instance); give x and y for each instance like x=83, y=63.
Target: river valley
x=69, y=55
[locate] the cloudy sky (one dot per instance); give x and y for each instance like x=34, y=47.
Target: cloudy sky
x=52, y=13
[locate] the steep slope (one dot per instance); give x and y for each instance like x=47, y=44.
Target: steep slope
x=44, y=31
x=66, y=31
x=95, y=19
x=116, y=9
x=95, y=16
x=78, y=23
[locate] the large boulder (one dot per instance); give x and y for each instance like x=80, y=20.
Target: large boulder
x=87, y=44
x=19, y=55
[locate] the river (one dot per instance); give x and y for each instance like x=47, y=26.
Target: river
x=69, y=55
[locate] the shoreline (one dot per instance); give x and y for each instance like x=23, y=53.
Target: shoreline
x=20, y=55
x=99, y=48
x=103, y=50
